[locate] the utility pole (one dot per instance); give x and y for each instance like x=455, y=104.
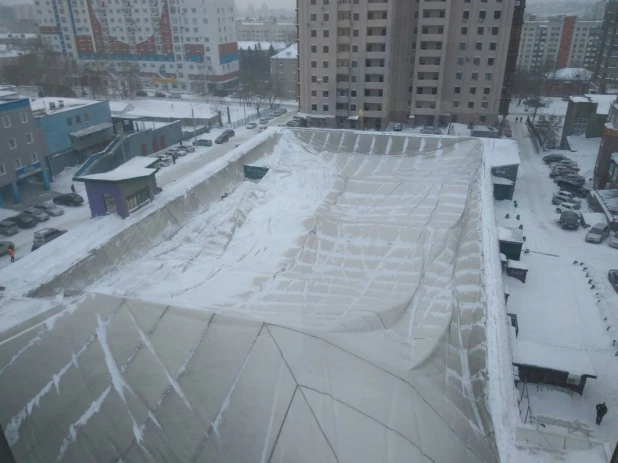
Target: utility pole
x=193, y=117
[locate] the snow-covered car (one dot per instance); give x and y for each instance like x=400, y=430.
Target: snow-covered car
x=398, y=127
x=429, y=130
x=49, y=209
x=44, y=236
x=251, y=125
x=164, y=161
x=203, y=142
x=568, y=207
x=4, y=247
x=8, y=228
x=175, y=96
x=36, y=214
x=188, y=148
x=613, y=242
x=262, y=128
x=553, y=158
x=181, y=153
x=597, y=233
x=612, y=276
x=564, y=197
x=264, y=120
x=569, y=219
x=576, y=179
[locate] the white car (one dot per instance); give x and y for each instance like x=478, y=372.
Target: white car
x=251, y=125
x=188, y=148
x=264, y=120
x=181, y=153
x=569, y=207
x=164, y=161
x=50, y=209
x=597, y=233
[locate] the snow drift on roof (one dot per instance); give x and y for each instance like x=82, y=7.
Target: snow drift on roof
x=289, y=53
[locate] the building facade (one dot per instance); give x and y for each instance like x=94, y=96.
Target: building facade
x=22, y=147
x=367, y=63
x=283, y=70
x=559, y=42
x=510, y=68
x=268, y=31
x=167, y=45
x=606, y=69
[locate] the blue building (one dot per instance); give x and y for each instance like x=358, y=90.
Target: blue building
x=74, y=129
x=22, y=148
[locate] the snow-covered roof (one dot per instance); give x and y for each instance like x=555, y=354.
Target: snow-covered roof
x=603, y=102
x=592, y=218
x=570, y=74
x=513, y=235
x=501, y=153
x=516, y=264
x=579, y=99
x=245, y=45
x=574, y=361
x=92, y=129
x=295, y=320
x=145, y=107
x=43, y=103
x=501, y=180
x=608, y=199
x=133, y=168
x=289, y=53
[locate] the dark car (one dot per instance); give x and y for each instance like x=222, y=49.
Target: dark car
x=577, y=190
x=398, y=127
x=141, y=93
x=569, y=219
x=23, y=221
x=576, y=179
x=160, y=95
x=230, y=133
x=225, y=136
x=8, y=228
x=203, y=142
x=69, y=199
x=44, y=236
x=554, y=158
x=612, y=276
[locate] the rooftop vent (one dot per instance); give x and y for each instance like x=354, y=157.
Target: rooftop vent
x=52, y=105
x=61, y=103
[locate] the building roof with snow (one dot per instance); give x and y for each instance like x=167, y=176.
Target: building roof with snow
x=603, y=102
x=137, y=167
x=289, y=53
x=570, y=74
x=501, y=152
x=574, y=361
x=512, y=235
x=52, y=105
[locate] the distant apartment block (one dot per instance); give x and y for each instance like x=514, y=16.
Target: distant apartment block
x=367, y=63
x=283, y=71
x=170, y=45
x=267, y=31
x=605, y=77
x=559, y=42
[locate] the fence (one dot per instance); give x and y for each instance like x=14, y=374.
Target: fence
x=534, y=136
x=254, y=117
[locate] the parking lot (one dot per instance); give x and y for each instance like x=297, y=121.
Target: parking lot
x=73, y=216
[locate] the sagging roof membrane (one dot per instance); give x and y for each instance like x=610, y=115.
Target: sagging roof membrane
x=333, y=311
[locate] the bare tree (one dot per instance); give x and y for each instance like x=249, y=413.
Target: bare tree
x=130, y=82
x=219, y=108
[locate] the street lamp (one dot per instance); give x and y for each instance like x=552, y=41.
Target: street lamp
x=193, y=118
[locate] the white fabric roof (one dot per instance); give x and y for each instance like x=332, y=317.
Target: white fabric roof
x=574, y=361
x=332, y=312
x=133, y=168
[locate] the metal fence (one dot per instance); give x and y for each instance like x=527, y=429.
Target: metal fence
x=254, y=117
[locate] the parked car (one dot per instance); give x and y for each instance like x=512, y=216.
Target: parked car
x=160, y=95
x=577, y=190
x=8, y=227
x=188, y=148
x=251, y=125
x=553, y=158
x=292, y=123
x=561, y=172
x=181, y=153
x=4, y=247
x=221, y=139
x=229, y=132
x=68, y=199
x=597, y=233
x=49, y=209
x=36, y=214
x=568, y=207
x=429, y=130
x=204, y=142
x=576, y=179
x=164, y=161
x=569, y=219
x=563, y=197
x=612, y=276
x=262, y=128
x=44, y=236
x=398, y=127
x=176, y=96
x=141, y=93
x=565, y=165
x=613, y=242
x=23, y=221
x=263, y=120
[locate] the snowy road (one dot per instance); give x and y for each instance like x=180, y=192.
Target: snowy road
x=557, y=305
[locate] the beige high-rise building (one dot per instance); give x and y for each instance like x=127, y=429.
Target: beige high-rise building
x=367, y=63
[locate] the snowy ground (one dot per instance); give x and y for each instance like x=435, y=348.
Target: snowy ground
x=556, y=106
x=557, y=305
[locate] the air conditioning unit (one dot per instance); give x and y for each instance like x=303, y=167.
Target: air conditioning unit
x=52, y=105
x=61, y=103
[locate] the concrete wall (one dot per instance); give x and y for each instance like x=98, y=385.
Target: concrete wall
x=95, y=192
x=56, y=127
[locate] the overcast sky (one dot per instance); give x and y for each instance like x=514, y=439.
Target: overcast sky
x=271, y=3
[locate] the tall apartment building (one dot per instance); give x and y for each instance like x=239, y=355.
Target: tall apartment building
x=266, y=31
x=168, y=44
x=559, y=42
x=605, y=77
x=595, y=11
x=366, y=63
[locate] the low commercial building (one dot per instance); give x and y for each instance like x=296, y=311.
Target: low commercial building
x=568, y=81
x=22, y=148
x=586, y=115
x=284, y=71
x=122, y=190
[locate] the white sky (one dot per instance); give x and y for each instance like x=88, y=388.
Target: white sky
x=271, y=3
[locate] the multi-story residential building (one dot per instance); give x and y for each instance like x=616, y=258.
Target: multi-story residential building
x=267, y=31
x=606, y=69
x=283, y=71
x=22, y=147
x=559, y=42
x=164, y=44
x=510, y=68
x=595, y=11
x=366, y=63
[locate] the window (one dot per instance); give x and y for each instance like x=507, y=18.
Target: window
x=86, y=117
x=472, y=90
x=458, y=76
x=78, y=120
x=29, y=138
x=493, y=46
x=455, y=104
x=457, y=90
x=464, y=31
x=486, y=91
x=488, y=76
x=470, y=104
x=484, y=105
x=314, y=64
x=12, y=143
x=466, y=14
x=497, y=14
x=314, y=33
x=325, y=93
x=314, y=79
x=476, y=61
x=460, y=61
x=17, y=163
x=326, y=17
x=314, y=17
x=325, y=107
x=579, y=126
x=490, y=61
x=314, y=49
x=325, y=64
x=314, y=107
x=462, y=46
x=355, y=33
x=314, y=93
x=325, y=49
x=325, y=33
x=480, y=30
x=478, y=46
x=34, y=158
x=482, y=14
x=138, y=199
x=23, y=117
x=70, y=122
x=2, y=169
x=495, y=30
x=6, y=122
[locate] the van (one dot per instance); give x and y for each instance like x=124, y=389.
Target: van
x=44, y=236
